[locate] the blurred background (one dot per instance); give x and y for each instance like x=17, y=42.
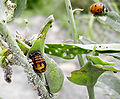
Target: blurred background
x=36, y=12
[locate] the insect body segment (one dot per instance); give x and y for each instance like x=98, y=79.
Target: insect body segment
x=98, y=8
x=39, y=64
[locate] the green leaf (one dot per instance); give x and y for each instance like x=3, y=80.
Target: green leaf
x=2, y=59
x=89, y=74
x=98, y=61
x=54, y=75
x=24, y=47
x=112, y=19
x=2, y=52
x=108, y=68
x=21, y=4
x=69, y=51
x=65, y=51
x=40, y=42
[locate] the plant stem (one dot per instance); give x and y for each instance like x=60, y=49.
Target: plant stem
x=73, y=27
x=91, y=92
x=71, y=20
x=76, y=38
x=90, y=31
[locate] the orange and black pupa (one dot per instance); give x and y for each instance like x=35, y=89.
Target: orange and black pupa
x=39, y=64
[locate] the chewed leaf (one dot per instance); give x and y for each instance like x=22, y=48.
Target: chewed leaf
x=69, y=51
x=65, y=51
x=98, y=61
x=89, y=74
x=112, y=19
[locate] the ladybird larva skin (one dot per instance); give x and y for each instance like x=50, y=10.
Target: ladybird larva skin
x=39, y=64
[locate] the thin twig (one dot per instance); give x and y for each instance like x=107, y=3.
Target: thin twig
x=76, y=39
x=73, y=27
x=91, y=92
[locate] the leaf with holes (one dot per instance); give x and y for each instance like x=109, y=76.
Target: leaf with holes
x=98, y=61
x=54, y=75
x=69, y=51
x=89, y=74
x=65, y=51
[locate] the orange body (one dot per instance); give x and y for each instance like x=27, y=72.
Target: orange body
x=39, y=64
x=97, y=8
